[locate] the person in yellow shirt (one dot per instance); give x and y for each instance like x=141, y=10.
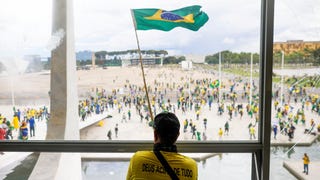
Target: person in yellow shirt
x=252, y=132
x=306, y=162
x=164, y=162
x=197, y=114
x=220, y=132
x=15, y=122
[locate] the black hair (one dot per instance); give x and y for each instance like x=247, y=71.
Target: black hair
x=167, y=126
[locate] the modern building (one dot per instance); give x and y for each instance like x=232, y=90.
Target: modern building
x=291, y=46
x=132, y=59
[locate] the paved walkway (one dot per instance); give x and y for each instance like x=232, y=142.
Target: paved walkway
x=134, y=129
x=296, y=169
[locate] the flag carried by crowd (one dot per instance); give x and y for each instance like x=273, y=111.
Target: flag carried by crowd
x=215, y=84
x=188, y=17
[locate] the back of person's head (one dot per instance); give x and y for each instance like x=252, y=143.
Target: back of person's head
x=167, y=126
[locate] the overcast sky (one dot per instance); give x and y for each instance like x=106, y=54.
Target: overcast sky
x=25, y=26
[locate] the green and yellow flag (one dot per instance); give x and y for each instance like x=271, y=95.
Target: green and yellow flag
x=215, y=84
x=188, y=17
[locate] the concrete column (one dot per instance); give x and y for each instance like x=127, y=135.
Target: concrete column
x=64, y=120
x=63, y=123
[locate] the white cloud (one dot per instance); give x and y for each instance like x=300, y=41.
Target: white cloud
x=228, y=40
x=248, y=45
x=224, y=21
x=25, y=26
x=296, y=19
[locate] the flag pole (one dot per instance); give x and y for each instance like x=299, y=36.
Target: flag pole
x=141, y=64
x=281, y=88
x=219, y=91
x=251, y=81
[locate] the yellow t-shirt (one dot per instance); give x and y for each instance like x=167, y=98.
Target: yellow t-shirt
x=306, y=160
x=145, y=165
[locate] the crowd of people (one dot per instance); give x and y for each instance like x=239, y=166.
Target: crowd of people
x=236, y=99
x=23, y=123
x=194, y=95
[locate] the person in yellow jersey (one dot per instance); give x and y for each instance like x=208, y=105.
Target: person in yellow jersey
x=220, y=133
x=164, y=162
x=306, y=162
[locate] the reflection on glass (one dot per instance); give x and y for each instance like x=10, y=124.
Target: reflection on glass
x=295, y=112
x=24, y=68
x=211, y=85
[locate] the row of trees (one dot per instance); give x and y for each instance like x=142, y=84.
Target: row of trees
x=305, y=56
x=173, y=59
x=299, y=57
x=232, y=58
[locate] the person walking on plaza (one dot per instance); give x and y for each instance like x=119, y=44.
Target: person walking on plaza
x=15, y=122
x=164, y=162
x=109, y=135
x=9, y=130
x=129, y=114
x=116, y=129
x=205, y=121
x=226, y=128
x=197, y=114
x=193, y=131
x=32, y=125
x=291, y=132
x=24, y=131
x=275, y=131
x=220, y=133
x=252, y=132
x=2, y=133
x=249, y=126
x=185, y=125
x=190, y=125
x=124, y=118
x=241, y=113
x=306, y=162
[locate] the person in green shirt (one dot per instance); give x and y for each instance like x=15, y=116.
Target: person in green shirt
x=147, y=165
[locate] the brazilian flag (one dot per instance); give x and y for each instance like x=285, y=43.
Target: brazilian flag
x=215, y=84
x=188, y=17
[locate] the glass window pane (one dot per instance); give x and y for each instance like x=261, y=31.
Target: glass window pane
x=295, y=106
x=182, y=71
x=26, y=43
x=184, y=77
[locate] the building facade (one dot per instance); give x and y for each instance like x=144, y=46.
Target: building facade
x=291, y=46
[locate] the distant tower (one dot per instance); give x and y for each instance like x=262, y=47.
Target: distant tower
x=93, y=58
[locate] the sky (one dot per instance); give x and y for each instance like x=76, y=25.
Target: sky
x=25, y=26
